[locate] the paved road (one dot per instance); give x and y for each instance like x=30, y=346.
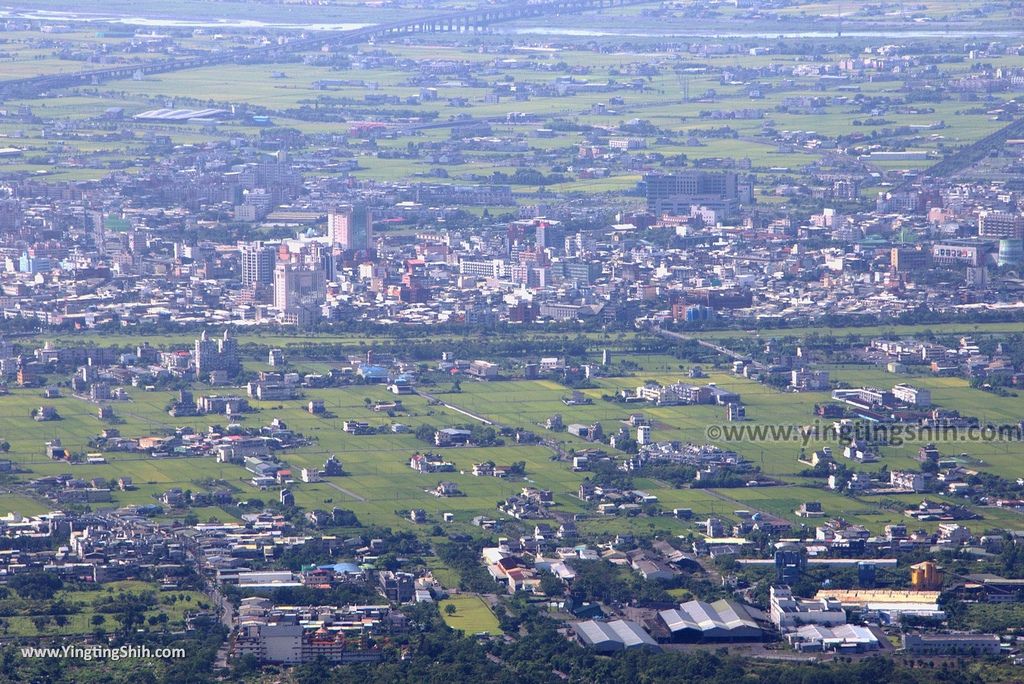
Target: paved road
x=227, y=617
x=344, y=491
x=458, y=409
x=738, y=356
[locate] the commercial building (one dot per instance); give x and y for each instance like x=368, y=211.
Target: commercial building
x=1011, y=252
x=1000, y=224
x=299, y=292
x=258, y=259
x=908, y=259
x=350, y=227
x=959, y=253
x=676, y=193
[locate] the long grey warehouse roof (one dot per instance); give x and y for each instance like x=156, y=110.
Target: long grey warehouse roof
x=178, y=114
x=615, y=635
x=724, y=615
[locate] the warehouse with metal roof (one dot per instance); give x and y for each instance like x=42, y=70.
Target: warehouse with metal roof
x=840, y=638
x=724, y=620
x=180, y=115
x=617, y=635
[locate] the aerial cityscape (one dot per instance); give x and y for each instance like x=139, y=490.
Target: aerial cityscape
x=499, y=342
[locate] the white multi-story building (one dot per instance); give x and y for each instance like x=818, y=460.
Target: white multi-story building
x=915, y=396
x=258, y=260
x=809, y=380
x=643, y=435
x=904, y=479
x=789, y=612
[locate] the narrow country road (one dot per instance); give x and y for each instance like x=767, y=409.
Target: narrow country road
x=344, y=491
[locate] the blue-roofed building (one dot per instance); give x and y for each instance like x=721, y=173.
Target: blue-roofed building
x=371, y=373
x=342, y=568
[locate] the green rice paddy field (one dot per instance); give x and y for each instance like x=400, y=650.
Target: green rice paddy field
x=380, y=483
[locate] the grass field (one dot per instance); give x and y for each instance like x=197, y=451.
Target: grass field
x=472, y=615
x=172, y=604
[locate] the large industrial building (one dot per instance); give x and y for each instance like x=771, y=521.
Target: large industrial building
x=724, y=620
x=789, y=611
x=894, y=603
x=617, y=635
x=840, y=638
x=952, y=644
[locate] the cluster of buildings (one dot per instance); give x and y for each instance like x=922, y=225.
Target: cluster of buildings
x=174, y=243
x=964, y=359
x=518, y=562
x=851, y=621
x=340, y=265
x=678, y=394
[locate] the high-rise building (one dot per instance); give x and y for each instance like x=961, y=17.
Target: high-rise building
x=213, y=354
x=99, y=232
x=905, y=259
x=675, y=193
x=258, y=260
x=866, y=575
x=549, y=234
x=1011, y=252
x=790, y=564
x=299, y=292
x=1000, y=224
x=351, y=227
x=10, y=215
x=287, y=498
